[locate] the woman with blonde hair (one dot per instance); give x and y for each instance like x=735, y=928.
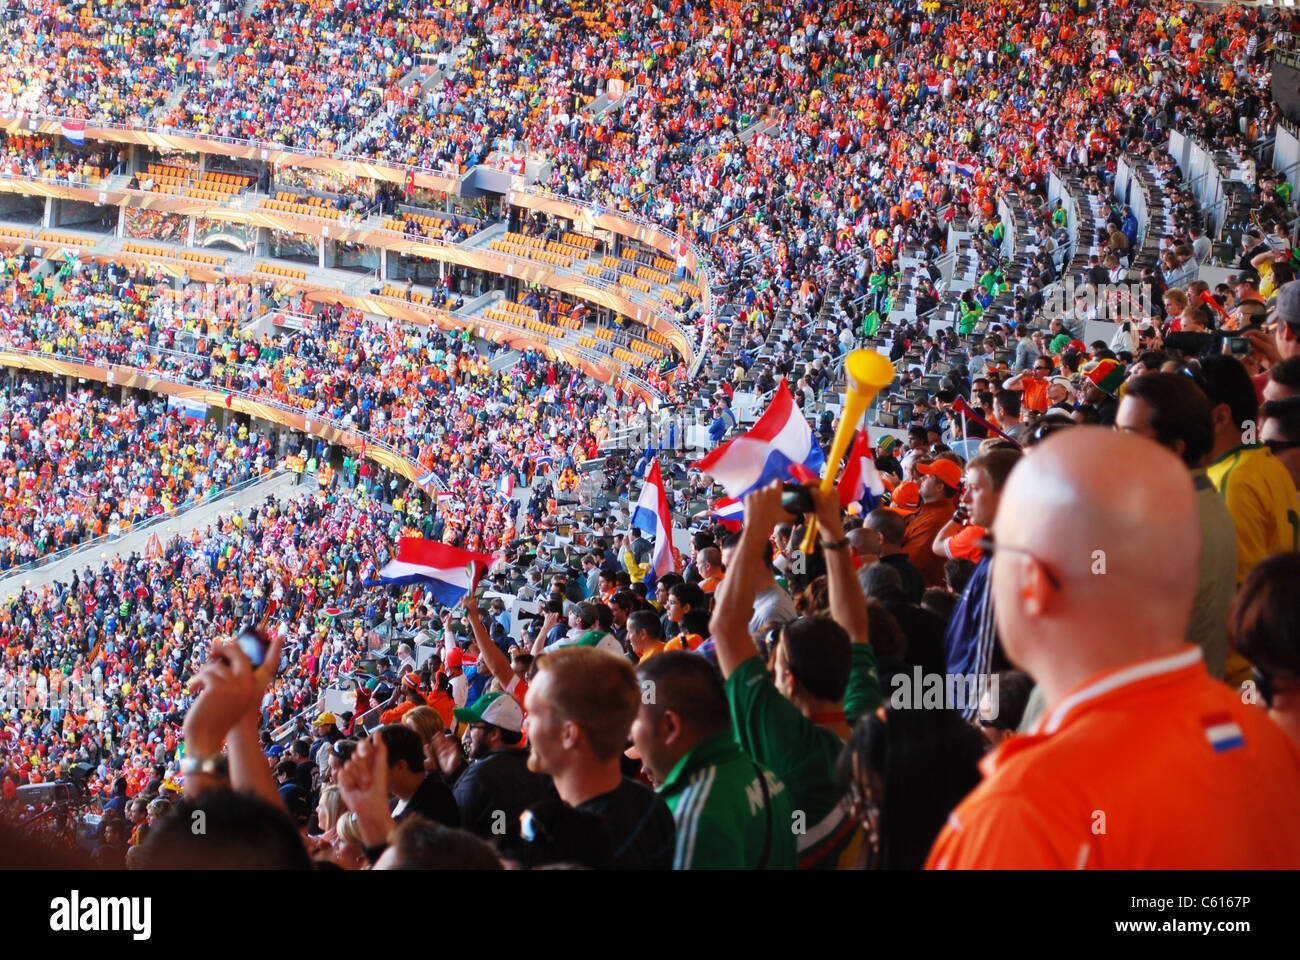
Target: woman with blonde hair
x=347, y=848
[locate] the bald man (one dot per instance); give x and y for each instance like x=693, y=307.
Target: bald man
x=708, y=561
x=1141, y=760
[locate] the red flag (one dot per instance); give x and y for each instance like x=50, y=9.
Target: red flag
x=410, y=181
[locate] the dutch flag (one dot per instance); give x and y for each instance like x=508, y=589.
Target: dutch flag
x=506, y=486
x=428, y=480
x=651, y=514
x=964, y=168
x=779, y=439
x=860, y=480
x=1113, y=56
x=447, y=572
x=1223, y=732
x=75, y=130
x=730, y=512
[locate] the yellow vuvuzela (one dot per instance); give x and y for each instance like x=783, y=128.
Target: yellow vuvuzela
x=868, y=373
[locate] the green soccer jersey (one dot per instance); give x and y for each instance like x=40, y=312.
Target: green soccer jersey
x=803, y=754
x=723, y=820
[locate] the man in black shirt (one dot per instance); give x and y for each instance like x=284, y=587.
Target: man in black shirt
x=580, y=711
x=303, y=766
x=416, y=791
x=892, y=526
x=496, y=786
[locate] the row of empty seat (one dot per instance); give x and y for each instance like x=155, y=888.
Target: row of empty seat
x=67, y=239
x=401, y=294
x=532, y=253
x=640, y=346
x=654, y=276
x=500, y=315
x=274, y=270
x=300, y=209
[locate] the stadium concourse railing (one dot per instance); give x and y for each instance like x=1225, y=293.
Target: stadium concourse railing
x=581, y=211
x=147, y=524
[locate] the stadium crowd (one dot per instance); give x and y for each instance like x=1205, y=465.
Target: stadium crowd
x=77, y=466
x=931, y=685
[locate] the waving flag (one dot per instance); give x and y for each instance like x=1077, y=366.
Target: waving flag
x=651, y=514
x=766, y=452
x=447, y=572
x=506, y=486
x=962, y=408
x=75, y=130
x=426, y=481
x=729, y=512
x=860, y=480
x=964, y=168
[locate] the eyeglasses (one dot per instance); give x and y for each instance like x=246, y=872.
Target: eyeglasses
x=1277, y=446
x=987, y=545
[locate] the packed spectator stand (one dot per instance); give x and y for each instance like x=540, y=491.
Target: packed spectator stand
x=977, y=192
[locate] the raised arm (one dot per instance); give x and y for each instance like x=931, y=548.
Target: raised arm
x=488, y=652
x=734, y=599
x=848, y=603
x=548, y=623
x=227, y=709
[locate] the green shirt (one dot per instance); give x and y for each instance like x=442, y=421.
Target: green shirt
x=803, y=754
x=722, y=820
x=969, y=317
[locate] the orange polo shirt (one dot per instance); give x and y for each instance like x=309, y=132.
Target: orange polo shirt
x=656, y=648
x=1150, y=766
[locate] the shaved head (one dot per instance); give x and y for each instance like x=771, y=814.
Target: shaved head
x=1112, y=533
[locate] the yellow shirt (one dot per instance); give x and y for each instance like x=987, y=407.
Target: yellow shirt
x=1262, y=498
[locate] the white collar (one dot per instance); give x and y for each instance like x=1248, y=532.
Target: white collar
x=1049, y=723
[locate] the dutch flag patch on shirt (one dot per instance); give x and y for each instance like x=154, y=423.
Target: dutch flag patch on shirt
x=1222, y=732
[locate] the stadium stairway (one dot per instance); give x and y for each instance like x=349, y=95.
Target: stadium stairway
x=279, y=483
x=504, y=361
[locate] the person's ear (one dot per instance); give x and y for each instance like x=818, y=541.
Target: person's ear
x=1036, y=589
x=569, y=735
x=670, y=727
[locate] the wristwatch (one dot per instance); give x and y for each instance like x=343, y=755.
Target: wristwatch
x=204, y=765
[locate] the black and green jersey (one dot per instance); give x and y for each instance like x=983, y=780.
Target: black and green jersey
x=803, y=754
x=723, y=819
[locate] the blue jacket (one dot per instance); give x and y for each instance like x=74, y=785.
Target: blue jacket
x=721, y=425
x=971, y=637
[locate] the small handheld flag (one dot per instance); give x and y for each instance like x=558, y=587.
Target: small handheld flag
x=652, y=515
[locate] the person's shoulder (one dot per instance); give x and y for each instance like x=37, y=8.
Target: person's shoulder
x=628, y=793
